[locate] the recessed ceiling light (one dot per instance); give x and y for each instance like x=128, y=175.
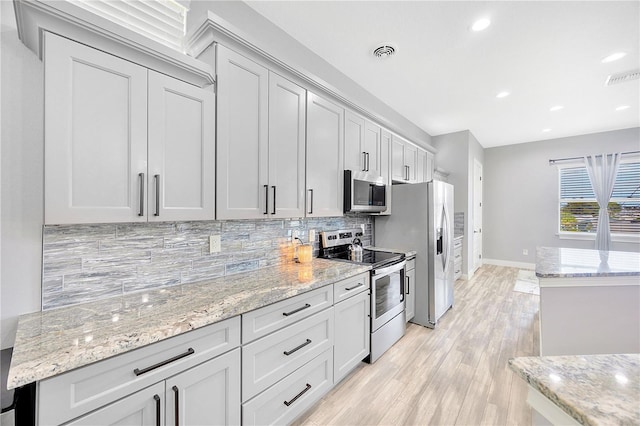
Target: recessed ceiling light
x=502, y=94
x=481, y=24
x=622, y=107
x=556, y=108
x=614, y=57
x=546, y=130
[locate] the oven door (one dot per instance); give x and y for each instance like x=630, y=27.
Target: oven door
x=387, y=294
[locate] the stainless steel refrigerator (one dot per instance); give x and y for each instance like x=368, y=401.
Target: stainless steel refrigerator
x=422, y=220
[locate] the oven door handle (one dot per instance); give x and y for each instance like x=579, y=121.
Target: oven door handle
x=389, y=269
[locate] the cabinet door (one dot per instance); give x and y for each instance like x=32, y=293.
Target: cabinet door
x=95, y=130
x=352, y=336
x=410, y=294
x=242, y=138
x=208, y=394
x=398, y=169
x=430, y=165
x=143, y=408
x=354, y=150
x=371, y=145
x=385, y=166
x=421, y=168
x=287, y=105
x=325, y=170
x=411, y=161
x=181, y=150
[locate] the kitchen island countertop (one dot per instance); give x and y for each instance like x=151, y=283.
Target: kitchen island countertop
x=561, y=262
x=592, y=389
x=52, y=342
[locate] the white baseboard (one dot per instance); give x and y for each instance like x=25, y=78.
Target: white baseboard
x=497, y=262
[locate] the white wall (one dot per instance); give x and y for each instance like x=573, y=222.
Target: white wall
x=456, y=154
x=261, y=32
x=22, y=167
x=521, y=193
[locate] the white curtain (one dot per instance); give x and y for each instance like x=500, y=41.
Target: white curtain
x=602, y=170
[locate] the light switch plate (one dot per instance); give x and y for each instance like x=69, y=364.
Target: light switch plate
x=214, y=243
x=312, y=235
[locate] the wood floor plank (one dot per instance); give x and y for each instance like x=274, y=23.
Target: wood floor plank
x=456, y=373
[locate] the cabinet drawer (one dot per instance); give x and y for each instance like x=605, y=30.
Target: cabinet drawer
x=289, y=398
x=350, y=287
x=411, y=264
x=271, y=358
x=69, y=395
x=457, y=244
x=265, y=320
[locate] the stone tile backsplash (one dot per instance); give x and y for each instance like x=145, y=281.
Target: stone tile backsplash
x=83, y=263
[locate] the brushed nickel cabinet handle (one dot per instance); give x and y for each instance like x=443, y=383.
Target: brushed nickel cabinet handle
x=139, y=372
x=288, y=403
x=306, y=305
x=311, y=202
x=297, y=348
x=141, y=180
x=364, y=161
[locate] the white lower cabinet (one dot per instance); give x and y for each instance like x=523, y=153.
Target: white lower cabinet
x=208, y=394
x=292, y=396
x=352, y=336
x=410, y=290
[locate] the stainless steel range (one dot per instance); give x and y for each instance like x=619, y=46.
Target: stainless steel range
x=387, y=284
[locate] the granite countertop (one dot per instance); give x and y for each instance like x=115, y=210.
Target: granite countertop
x=557, y=262
x=458, y=236
x=408, y=254
x=53, y=342
x=592, y=389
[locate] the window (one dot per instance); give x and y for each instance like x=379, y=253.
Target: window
x=579, y=208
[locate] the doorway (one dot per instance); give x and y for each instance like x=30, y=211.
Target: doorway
x=477, y=215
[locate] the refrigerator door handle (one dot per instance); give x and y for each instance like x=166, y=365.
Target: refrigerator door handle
x=447, y=238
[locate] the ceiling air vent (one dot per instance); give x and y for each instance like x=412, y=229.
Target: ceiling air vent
x=384, y=51
x=622, y=78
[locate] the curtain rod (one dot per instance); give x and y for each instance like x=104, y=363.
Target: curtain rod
x=561, y=160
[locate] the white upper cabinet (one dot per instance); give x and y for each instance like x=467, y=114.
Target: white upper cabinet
x=261, y=141
x=421, y=166
x=181, y=150
x=361, y=144
x=104, y=118
x=95, y=135
x=287, y=120
x=325, y=167
x=404, y=160
x=385, y=166
x=242, y=141
x=430, y=166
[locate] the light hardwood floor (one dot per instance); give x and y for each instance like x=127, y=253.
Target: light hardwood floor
x=455, y=374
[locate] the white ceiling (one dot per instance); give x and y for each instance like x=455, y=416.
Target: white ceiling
x=445, y=78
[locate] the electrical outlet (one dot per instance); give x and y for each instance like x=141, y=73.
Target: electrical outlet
x=312, y=235
x=214, y=243
x=525, y=252
x=294, y=234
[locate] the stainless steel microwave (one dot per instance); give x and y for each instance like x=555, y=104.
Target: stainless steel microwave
x=364, y=192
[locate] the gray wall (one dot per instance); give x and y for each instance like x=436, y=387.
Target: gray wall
x=521, y=193
x=456, y=154
x=21, y=153
x=261, y=32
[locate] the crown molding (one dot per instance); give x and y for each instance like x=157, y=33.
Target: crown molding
x=34, y=17
x=214, y=29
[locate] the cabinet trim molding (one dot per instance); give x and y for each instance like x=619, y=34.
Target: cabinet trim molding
x=34, y=17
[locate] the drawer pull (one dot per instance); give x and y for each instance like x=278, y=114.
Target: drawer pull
x=297, y=348
x=306, y=305
x=288, y=403
x=354, y=287
x=139, y=372
x=157, y=398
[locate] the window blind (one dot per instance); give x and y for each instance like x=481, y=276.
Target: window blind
x=160, y=20
x=579, y=208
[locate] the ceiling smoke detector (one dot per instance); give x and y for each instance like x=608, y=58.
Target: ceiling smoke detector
x=384, y=51
x=622, y=78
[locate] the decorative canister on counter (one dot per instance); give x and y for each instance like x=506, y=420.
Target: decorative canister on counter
x=305, y=253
